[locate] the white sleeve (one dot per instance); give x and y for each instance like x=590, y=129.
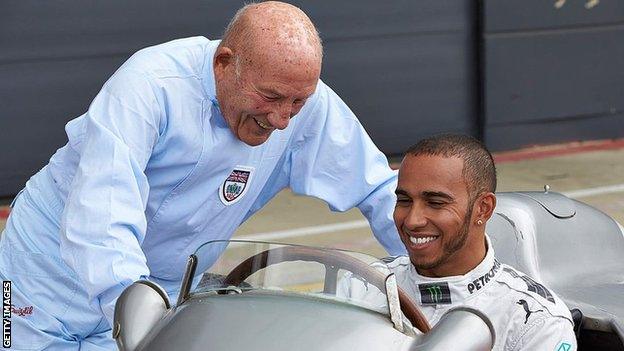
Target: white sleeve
x=361, y=293
x=551, y=334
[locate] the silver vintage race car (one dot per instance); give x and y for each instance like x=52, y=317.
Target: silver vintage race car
x=267, y=296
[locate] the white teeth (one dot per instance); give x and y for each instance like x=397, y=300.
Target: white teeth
x=424, y=240
x=264, y=126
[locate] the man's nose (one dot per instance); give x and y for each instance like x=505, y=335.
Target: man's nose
x=415, y=218
x=281, y=116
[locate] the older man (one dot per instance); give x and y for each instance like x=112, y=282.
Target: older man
x=183, y=143
x=445, y=195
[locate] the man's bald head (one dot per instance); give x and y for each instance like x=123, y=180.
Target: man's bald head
x=272, y=31
x=266, y=67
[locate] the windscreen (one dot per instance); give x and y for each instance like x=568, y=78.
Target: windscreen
x=260, y=267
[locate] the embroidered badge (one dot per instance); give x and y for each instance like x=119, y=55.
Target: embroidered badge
x=235, y=185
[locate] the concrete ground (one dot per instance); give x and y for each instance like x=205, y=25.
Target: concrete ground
x=592, y=172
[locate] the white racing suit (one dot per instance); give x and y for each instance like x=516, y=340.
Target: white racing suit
x=525, y=314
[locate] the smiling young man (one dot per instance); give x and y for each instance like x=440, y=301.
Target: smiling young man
x=445, y=196
x=183, y=143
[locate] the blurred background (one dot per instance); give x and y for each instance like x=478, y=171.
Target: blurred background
x=513, y=73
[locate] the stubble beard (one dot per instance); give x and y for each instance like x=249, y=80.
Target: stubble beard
x=450, y=247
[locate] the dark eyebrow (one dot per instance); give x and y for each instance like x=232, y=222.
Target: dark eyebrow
x=400, y=192
x=438, y=194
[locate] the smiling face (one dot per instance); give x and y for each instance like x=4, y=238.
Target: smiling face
x=435, y=217
x=266, y=67
x=260, y=95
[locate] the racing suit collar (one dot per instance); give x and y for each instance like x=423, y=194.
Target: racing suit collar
x=454, y=289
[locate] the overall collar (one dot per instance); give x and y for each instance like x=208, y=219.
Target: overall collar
x=456, y=289
x=207, y=73
x=209, y=82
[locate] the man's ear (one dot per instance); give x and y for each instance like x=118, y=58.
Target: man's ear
x=484, y=207
x=223, y=58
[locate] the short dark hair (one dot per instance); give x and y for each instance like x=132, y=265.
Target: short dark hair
x=479, y=171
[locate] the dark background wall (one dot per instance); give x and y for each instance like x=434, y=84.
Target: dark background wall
x=405, y=67
x=553, y=71
x=55, y=56
x=513, y=72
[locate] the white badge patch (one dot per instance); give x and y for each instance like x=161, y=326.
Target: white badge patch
x=235, y=185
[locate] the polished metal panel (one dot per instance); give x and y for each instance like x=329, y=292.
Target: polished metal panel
x=558, y=205
x=579, y=257
x=460, y=329
x=273, y=321
x=138, y=310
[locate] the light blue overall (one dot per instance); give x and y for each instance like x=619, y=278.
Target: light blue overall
x=144, y=180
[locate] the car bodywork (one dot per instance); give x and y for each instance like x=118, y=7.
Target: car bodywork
x=269, y=296
x=571, y=247
x=575, y=250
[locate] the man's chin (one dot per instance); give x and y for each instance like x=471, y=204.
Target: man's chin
x=254, y=140
x=421, y=263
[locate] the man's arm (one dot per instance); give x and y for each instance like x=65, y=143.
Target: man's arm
x=337, y=162
x=103, y=223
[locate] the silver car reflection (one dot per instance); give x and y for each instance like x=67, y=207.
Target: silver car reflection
x=267, y=296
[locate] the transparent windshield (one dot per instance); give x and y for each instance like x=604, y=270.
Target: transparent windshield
x=251, y=267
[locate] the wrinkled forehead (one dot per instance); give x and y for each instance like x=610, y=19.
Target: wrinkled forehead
x=269, y=69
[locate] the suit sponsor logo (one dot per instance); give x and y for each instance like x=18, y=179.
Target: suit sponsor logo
x=435, y=294
x=528, y=312
x=480, y=282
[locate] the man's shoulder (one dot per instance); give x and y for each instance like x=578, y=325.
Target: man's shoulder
x=534, y=313
x=531, y=293
x=178, y=44
x=183, y=56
